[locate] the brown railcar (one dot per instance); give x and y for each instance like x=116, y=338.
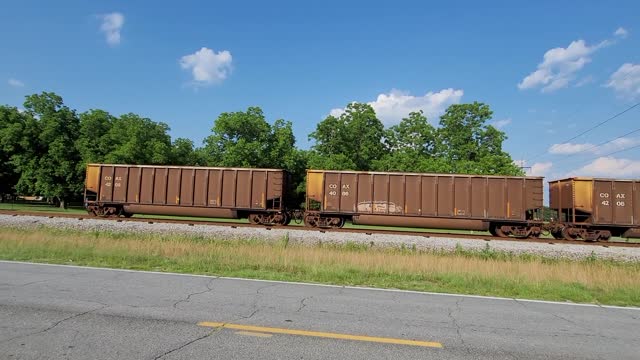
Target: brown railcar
x=595, y=208
x=503, y=205
x=257, y=194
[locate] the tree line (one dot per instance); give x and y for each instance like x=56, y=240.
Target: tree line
x=45, y=147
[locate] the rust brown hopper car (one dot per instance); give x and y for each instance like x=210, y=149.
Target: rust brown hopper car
x=595, y=208
x=256, y=194
x=502, y=205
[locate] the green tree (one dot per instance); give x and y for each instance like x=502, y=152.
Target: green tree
x=411, y=146
x=239, y=139
x=246, y=139
x=184, y=153
x=11, y=125
x=351, y=141
x=49, y=163
x=470, y=146
x=138, y=140
x=94, y=142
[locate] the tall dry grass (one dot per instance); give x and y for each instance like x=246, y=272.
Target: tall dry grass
x=486, y=272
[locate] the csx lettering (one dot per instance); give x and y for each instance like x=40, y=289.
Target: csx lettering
x=118, y=178
x=333, y=186
x=108, y=178
x=604, y=195
x=333, y=193
x=620, y=196
x=620, y=203
x=345, y=187
x=345, y=193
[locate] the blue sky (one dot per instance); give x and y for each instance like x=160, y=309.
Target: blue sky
x=549, y=70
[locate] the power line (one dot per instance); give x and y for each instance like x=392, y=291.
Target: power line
x=592, y=128
x=619, y=151
x=604, y=122
x=612, y=153
x=619, y=137
x=600, y=144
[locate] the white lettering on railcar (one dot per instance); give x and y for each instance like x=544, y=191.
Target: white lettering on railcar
x=108, y=178
x=620, y=196
x=333, y=193
x=333, y=186
x=345, y=193
x=604, y=195
x=605, y=202
x=620, y=203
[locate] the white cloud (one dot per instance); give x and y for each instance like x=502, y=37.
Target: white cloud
x=499, y=124
x=569, y=148
x=540, y=169
x=621, y=33
x=15, y=83
x=207, y=66
x=537, y=169
x=605, y=166
x=584, y=81
x=575, y=148
x=626, y=80
x=560, y=65
x=111, y=27
x=395, y=105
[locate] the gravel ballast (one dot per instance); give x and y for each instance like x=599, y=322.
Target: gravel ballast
x=311, y=237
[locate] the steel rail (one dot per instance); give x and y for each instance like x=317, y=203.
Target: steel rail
x=479, y=237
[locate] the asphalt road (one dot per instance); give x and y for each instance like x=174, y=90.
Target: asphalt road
x=58, y=312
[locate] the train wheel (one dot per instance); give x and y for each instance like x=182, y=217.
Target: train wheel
x=567, y=235
x=497, y=231
x=337, y=223
x=285, y=219
x=255, y=219
x=492, y=231
x=310, y=220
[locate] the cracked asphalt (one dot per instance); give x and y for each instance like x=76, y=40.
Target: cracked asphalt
x=56, y=312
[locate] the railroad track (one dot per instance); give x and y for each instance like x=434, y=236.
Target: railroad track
x=479, y=237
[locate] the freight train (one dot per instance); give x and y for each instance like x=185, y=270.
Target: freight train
x=587, y=208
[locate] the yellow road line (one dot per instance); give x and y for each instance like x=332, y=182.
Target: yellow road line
x=327, y=335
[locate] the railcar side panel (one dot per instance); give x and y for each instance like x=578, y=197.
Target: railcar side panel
x=462, y=197
x=403, y=195
x=201, y=184
x=446, y=195
x=147, y=185
x=412, y=192
x=429, y=196
x=160, y=186
x=106, y=183
x=133, y=185
x=596, y=201
x=348, y=192
x=496, y=195
x=515, y=199
x=479, y=197
x=183, y=190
